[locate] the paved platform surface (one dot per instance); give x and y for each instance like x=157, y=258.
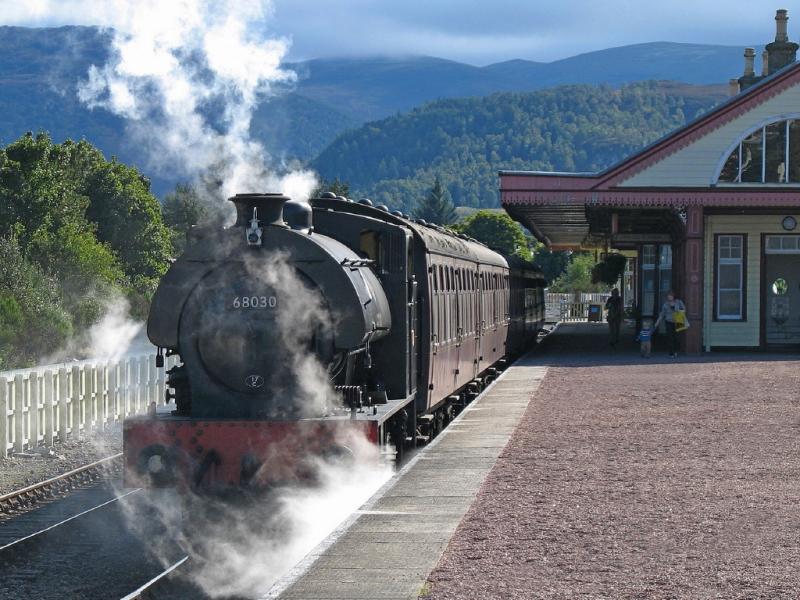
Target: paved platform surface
x=398, y=538
x=640, y=478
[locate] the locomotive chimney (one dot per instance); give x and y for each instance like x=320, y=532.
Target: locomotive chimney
x=269, y=208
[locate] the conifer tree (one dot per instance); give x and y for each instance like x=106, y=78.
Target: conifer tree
x=436, y=207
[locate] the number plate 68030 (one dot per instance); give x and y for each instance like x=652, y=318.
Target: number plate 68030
x=255, y=302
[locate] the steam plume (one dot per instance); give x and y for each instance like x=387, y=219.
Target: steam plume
x=188, y=75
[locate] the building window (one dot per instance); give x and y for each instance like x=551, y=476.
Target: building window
x=782, y=244
x=730, y=278
x=770, y=154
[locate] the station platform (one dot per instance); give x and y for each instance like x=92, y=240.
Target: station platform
x=389, y=547
x=589, y=471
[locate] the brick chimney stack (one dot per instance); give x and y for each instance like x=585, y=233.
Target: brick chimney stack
x=749, y=62
x=781, y=22
x=764, y=63
x=781, y=52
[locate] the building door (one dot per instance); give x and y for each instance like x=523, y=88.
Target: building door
x=781, y=285
x=656, y=277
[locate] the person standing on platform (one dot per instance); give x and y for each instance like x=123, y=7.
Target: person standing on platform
x=672, y=310
x=614, y=316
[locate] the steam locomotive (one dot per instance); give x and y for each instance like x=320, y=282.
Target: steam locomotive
x=406, y=320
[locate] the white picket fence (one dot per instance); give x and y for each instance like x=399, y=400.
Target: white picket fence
x=571, y=307
x=55, y=402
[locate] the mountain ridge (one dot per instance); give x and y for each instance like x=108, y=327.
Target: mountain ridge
x=40, y=69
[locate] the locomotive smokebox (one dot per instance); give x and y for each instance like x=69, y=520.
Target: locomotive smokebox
x=269, y=208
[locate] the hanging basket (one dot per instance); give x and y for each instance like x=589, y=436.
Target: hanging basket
x=609, y=270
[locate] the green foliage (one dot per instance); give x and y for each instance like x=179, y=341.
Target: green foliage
x=436, y=206
x=181, y=210
x=33, y=321
x=552, y=263
x=128, y=220
x=498, y=231
x=75, y=229
x=578, y=276
x=466, y=141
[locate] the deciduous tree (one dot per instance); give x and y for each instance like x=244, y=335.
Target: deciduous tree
x=498, y=231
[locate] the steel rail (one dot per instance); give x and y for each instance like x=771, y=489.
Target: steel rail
x=35, y=492
x=135, y=595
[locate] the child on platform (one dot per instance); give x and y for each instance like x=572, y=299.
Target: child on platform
x=644, y=338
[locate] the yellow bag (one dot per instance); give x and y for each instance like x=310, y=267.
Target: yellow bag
x=681, y=322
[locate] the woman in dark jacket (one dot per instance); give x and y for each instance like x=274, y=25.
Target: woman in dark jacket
x=614, y=316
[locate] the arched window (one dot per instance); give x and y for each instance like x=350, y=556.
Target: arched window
x=768, y=154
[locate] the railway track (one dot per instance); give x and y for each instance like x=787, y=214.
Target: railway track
x=25, y=498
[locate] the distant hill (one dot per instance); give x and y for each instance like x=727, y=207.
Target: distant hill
x=40, y=68
x=465, y=141
x=371, y=88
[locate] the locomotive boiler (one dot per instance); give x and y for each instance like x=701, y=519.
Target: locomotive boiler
x=305, y=326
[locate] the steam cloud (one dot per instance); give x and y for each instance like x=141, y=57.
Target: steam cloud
x=188, y=75
x=109, y=339
x=243, y=549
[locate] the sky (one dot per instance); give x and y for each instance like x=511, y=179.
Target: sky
x=481, y=32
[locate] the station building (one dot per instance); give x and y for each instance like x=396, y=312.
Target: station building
x=711, y=210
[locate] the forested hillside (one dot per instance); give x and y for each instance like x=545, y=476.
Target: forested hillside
x=466, y=141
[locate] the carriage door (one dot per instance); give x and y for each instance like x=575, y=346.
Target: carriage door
x=782, y=290
x=459, y=325
x=476, y=321
x=480, y=326
x=413, y=324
